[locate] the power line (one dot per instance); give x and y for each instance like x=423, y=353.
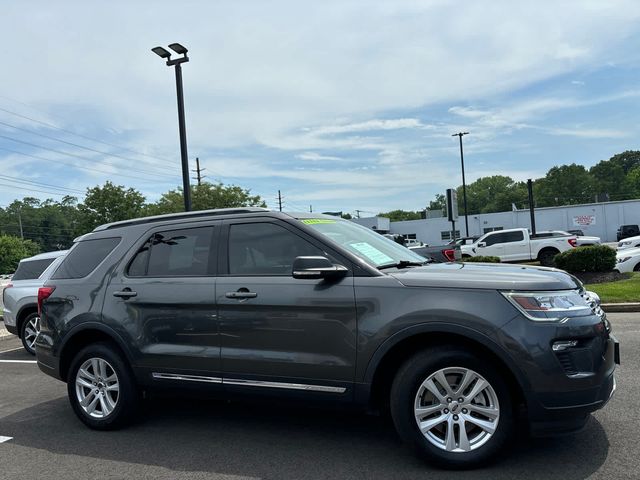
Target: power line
x=73, y=165
x=50, y=125
x=41, y=184
x=49, y=137
x=83, y=158
x=33, y=190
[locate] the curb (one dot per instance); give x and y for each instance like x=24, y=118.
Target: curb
x=621, y=307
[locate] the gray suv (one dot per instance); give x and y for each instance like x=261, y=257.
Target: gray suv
x=20, y=296
x=316, y=308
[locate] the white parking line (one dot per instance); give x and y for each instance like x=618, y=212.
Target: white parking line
x=11, y=350
x=5, y=439
x=18, y=361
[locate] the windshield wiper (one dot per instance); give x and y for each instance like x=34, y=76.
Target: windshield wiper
x=402, y=264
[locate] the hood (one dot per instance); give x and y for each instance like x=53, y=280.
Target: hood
x=485, y=276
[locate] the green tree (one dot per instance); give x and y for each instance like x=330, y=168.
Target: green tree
x=12, y=250
x=401, y=215
x=612, y=176
x=492, y=194
x=564, y=185
x=51, y=224
x=109, y=203
x=439, y=203
x=633, y=182
x=205, y=196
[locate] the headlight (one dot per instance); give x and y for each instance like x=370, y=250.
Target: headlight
x=550, y=306
x=623, y=259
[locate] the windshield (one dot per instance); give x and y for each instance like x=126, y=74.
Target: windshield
x=370, y=246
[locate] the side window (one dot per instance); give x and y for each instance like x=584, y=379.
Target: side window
x=265, y=249
x=84, y=257
x=514, y=237
x=494, y=239
x=175, y=253
x=31, y=269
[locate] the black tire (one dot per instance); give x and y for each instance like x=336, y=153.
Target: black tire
x=404, y=391
x=26, y=332
x=127, y=401
x=637, y=268
x=546, y=257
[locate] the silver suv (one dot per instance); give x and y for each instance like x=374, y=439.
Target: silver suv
x=20, y=296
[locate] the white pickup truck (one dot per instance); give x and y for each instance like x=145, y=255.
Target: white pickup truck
x=517, y=245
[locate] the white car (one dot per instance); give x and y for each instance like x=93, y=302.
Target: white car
x=631, y=242
x=628, y=260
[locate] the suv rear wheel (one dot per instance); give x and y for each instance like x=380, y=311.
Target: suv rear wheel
x=101, y=388
x=452, y=406
x=29, y=331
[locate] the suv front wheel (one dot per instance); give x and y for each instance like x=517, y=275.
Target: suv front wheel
x=101, y=388
x=453, y=406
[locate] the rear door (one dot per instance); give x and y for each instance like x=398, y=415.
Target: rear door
x=279, y=332
x=516, y=246
x=164, y=295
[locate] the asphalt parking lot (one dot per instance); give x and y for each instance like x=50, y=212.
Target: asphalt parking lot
x=183, y=438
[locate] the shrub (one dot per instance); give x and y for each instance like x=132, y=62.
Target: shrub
x=482, y=259
x=592, y=258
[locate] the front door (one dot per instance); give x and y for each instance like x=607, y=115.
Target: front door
x=164, y=296
x=277, y=331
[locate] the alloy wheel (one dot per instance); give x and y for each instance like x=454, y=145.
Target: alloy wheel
x=97, y=387
x=456, y=409
x=31, y=331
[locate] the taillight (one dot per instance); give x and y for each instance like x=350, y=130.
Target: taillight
x=8, y=285
x=43, y=294
x=573, y=242
x=450, y=254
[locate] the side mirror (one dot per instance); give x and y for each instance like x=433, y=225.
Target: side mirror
x=316, y=268
x=482, y=245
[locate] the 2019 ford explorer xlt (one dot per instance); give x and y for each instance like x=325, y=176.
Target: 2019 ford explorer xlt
x=314, y=307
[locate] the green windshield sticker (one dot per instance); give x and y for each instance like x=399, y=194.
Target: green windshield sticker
x=372, y=253
x=315, y=221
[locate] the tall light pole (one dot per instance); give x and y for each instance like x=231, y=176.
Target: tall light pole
x=464, y=183
x=163, y=53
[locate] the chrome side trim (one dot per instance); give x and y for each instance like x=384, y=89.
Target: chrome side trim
x=248, y=383
x=287, y=386
x=186, y=378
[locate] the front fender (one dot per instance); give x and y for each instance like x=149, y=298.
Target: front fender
x=446, y=328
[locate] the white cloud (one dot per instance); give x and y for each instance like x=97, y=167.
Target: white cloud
x=316, y=157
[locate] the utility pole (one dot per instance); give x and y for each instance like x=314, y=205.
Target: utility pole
x=464, y=183
x=531, y=207
x=199, y=171
x=279, y=200
x=20, y=223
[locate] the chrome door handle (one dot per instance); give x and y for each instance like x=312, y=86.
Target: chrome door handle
x=241, y=295
x=125, y=293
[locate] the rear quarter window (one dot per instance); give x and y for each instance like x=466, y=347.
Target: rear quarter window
x=31, y=269
x=85, y=257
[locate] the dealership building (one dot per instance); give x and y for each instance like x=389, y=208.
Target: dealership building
x=597, y=219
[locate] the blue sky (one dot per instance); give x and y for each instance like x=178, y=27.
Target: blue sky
x=340, y=105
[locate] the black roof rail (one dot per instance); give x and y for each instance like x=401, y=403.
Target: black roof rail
x=179, y=216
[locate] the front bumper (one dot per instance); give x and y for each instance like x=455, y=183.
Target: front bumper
x=565, y=385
